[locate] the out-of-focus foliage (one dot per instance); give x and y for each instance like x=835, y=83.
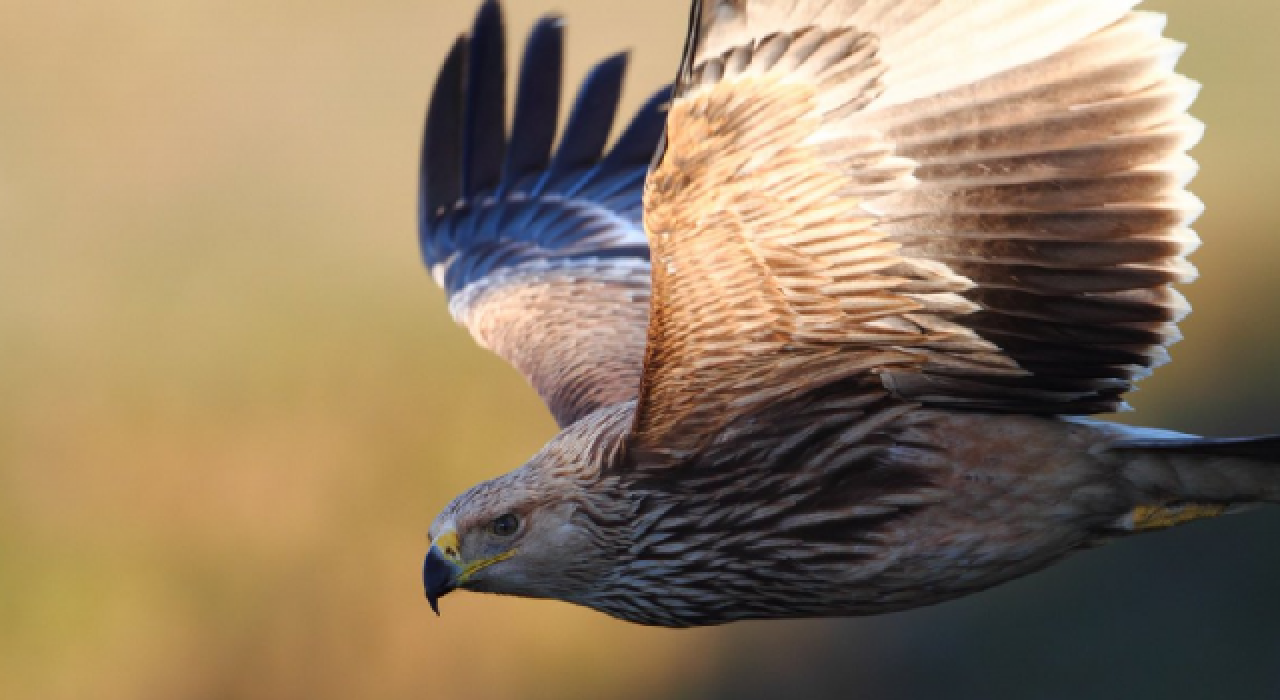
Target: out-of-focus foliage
x=231, y=400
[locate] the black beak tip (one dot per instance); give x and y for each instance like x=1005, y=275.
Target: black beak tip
x=437, y=578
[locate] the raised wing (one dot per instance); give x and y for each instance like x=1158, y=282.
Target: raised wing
x=542, y=254
x=977, y=203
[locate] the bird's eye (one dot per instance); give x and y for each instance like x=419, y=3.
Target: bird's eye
x=505, y=525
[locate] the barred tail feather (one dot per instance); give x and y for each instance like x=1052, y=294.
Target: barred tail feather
x=1264, y=448
x=1190, y=469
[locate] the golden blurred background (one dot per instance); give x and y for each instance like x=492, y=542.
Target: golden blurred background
x=231, y=400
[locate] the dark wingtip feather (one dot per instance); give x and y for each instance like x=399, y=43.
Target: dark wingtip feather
x=440, y=181
x=537, y=100
x=592, y=117
x=486, y=107
x=694, y=34
x=466, y=156
x=683, y=75
x=638, y=142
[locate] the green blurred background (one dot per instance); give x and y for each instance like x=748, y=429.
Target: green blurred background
x=231, y=400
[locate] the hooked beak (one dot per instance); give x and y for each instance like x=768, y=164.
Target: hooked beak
x=442, y=569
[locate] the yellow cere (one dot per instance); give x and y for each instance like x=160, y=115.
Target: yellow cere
x=447, y=543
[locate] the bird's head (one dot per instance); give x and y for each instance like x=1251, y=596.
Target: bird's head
x=532, y=532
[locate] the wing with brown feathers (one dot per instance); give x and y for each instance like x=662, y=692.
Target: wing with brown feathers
x=542, y=255
x=981, y=202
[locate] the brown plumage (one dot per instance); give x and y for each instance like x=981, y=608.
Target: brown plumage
x=896, y=248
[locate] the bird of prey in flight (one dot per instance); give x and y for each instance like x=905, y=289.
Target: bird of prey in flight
x=822, y=327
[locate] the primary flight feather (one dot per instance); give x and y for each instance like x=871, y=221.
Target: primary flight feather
x=820, y=327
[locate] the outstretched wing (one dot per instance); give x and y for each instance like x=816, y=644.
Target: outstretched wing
x=542, y=254
x=975, y=204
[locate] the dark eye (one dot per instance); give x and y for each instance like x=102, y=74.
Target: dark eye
x=505, y=525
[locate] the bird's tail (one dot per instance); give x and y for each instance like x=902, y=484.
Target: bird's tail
x=1261, y=448
x=1183, y=477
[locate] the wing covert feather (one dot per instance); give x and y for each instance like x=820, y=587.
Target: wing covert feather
x=980, y=202
x=541, y=253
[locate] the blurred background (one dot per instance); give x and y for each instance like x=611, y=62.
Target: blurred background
x=231, y=400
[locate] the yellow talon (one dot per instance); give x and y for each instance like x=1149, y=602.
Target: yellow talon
x=1159, y=517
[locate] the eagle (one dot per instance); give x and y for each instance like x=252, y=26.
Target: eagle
x=823, y=327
